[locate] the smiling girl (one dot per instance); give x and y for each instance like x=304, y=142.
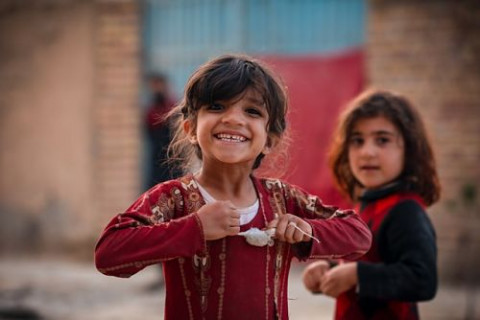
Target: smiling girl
x=231, y=117
x=382, y=159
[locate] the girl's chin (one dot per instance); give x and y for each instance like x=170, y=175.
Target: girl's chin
x=372, y=185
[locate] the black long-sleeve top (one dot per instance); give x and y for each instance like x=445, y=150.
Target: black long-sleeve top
x=400, y=269
x=407, y=246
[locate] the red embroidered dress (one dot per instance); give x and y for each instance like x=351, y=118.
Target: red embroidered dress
x=226, y=278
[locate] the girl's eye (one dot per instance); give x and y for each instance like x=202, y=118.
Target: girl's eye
x=356, y=141
x=215, y=107
x=254, y=112
x=382, y=141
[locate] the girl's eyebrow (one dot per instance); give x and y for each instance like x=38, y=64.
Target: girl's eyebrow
x=384, y=132
x=378, y=132
x=255, y=101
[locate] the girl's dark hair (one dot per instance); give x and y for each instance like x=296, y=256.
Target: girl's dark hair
x=223, y=79
x=419, y=170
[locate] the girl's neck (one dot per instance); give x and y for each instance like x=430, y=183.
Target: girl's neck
x=384, y=190
x=236, y=186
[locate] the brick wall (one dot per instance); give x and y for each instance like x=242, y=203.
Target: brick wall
x=430, y=51
x=69, y=120
x=116, y=116
x=46, y=81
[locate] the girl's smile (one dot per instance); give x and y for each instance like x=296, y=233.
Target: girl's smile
x=230, y=137
x=376, y=152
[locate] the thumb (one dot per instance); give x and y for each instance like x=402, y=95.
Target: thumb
x=229, y=204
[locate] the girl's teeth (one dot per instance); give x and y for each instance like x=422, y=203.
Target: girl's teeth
x=230, y=137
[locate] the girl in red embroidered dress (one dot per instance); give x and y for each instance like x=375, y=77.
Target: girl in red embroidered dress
x=382, y=159
x=232, y=115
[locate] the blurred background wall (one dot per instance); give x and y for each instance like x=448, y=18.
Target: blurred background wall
x=69, y=77
x=71, y=81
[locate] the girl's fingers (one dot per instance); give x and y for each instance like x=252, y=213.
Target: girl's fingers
x=233, y=230
x=229, y=204
x=294, y=235
x=325, y=288
x=234, y=221
x=272, y=224
x=312, y=280
x=290, y=232
x=309, y=281
x=329, y=286
x=281, y=228
x=303, y=228
x=291, y=229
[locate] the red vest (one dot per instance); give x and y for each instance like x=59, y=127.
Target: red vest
x=347, y=306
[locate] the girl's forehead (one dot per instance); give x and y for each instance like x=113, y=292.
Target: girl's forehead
x=374, y=124
x=250, y=95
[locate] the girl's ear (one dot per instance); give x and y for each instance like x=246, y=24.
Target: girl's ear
x=271, y=143
x=190, y=131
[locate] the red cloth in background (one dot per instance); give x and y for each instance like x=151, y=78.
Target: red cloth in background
x=318, y=88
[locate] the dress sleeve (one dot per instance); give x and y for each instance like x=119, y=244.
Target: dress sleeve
x=342, y=234
x=408, y=249
x=154, y=229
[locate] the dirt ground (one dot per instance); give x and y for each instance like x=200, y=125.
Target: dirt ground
x=57, y=289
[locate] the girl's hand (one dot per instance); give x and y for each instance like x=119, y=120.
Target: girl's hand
x=219, y=219
x=339, y=279
x=313, y=275
x=286, y=230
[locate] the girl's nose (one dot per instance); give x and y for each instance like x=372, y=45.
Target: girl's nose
x=233, y=116
x=368, y=149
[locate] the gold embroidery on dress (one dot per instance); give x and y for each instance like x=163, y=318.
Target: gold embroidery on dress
x=310, y=206
x=221, y=289
x=195, y=201
x=277, y=282
x=140, y=203
x=188, y=183
x=202, y=281
x=277, y=201
x=273, y=184
x=200, y=264
x=268, y=291
x=157, y=216
x=188, y=293
x=163, y=210
x=314, y=205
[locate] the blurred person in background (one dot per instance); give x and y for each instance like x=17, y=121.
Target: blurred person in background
x=382, y=159
x=158, y=130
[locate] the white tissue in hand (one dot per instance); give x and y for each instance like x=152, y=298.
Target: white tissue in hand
x=258, y=238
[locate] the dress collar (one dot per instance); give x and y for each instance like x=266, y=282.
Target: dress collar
x=373, y=195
